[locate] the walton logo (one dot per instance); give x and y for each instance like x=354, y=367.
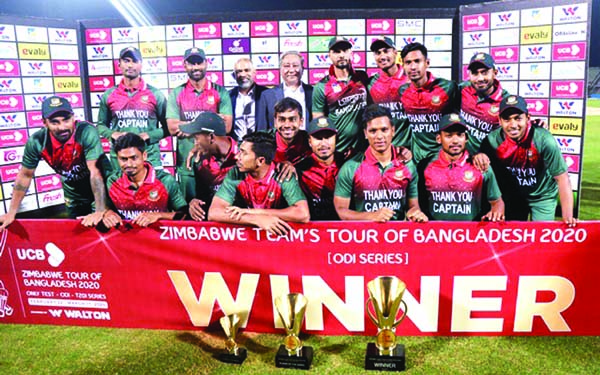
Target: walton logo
x=505, y=18
x=236, y=27
x=5, y=83
x=124, y=33
x=264, y=59
x=293, y=25
x=322, y=58
x=62, y=34
x=153, y=63
x=36, y=66
x=534, y=86
x=409, y=40
x=476, y=37
x=564, y=142
x=179, y=29
x=566, y=105
x=570, y=11
x=99, y=50
x=39, y=99
x=8, y=118
x=504, y=69
x=210, y=60
x=535, y=51
x=2, y=29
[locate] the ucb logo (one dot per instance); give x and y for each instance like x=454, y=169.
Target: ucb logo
x=31, y=254
x=53, y=253
x=62, y=34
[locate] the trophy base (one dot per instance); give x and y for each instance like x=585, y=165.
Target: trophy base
x=393, y=362
x=283, y=360
x=232, y=358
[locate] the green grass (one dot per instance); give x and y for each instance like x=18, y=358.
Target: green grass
x=26, y=349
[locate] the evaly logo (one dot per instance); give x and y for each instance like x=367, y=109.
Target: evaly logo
x=505, y=17
x=5, y=84
x=235, y=27
x=504, y=69
x=36, y=66
x=99, y=50
x=8, y=118
x=264, y=59
x=566, y=105
x=476, y=37
x=534, y=86
x=179, y=29
x=292, y=25
x=535, y=51
x=564, y=142
x=62, y=34
x=322, y=58
x=124, y=33
x=570, y=11
x=55, y=255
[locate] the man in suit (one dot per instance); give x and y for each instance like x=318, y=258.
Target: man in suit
x=291, y=67
x=244, y=99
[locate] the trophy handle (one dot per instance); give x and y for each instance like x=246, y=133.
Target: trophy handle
x=370, y=314
x=405, y=310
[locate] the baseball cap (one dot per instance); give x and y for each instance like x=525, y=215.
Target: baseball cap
x=452, y=120
x=54, y=105
x=132, y=52
x=513, y=101
x=194, y=55
x=382, y=42
x=339, y=42
x=206, y=122
x=484, y=59
x=320, y=124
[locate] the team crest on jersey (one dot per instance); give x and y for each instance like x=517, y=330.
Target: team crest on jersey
x=210, y=99
x=144, y=99
x=435, y=99
x=494, y=109
x=336, y=88
x=468, y=177
x=271, y=196
x=153, y=195
x=398, y=175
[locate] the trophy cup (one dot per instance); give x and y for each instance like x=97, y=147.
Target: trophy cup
x=234, y=354
x=385, y=294
x=292, y=354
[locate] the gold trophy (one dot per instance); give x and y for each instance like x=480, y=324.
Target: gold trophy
x=385, y=294
x=292, y=354
x=234, y=354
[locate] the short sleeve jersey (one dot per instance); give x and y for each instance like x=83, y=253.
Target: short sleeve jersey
x=295, y=152
x=242, y=190
x=68, y=159
x=210, y=173
x=371, y=187
x=480, y=112
x=424, y=107
x=453, y=190
x=526, y=168
x=343, y=102
x=186, y=103
x=317, y=181
x=384, y=91
x=137, y=110
x=158, y=193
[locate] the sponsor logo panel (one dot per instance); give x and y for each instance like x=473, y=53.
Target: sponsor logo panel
x=32, y=34
x=34, y=51
x=568, y=70
x=380, y=26
x=13, y=138
x=566, y=107
x=236, y=29
x=571, y=13
x=505, y=19
x=207, y=30
x=7, y=33
x=322, y=27
x=11, y=103
x=293, y=27
x=566, y=126
x=64, y=36
x=569, y=51
x=476, y=22
x=38, y=85
x=124, y=35
x=506, y=54
x=264, y=28
x=98, y=36
x=9, y=68
x=67, y=84
x=538, y=107
x=409, y=26
x=64, y=52
x=573, y=32
x=568, y=145
x=65, y=68
x=536, y=16
x=12, y=120
x=180, y=32
x=568, y=89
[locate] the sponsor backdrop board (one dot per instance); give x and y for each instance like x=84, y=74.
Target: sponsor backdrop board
x=38, y=58
x=263, y=38
x=541, y=51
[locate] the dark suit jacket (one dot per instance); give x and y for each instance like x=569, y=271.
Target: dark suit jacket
x=266, y=114
x=233, y=94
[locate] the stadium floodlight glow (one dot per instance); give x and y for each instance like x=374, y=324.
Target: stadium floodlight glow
x=134, y=12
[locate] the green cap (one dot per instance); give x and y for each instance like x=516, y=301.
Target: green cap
x=453, y=120
x=54, y=105
x=194, y=55
x=382, y=42
x=206, y=122
x=483, y=59
x=320, y=124
x=515, y=102
x=132, y=52
x=339, y=42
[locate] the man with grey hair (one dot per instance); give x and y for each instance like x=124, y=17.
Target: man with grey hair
x=244, y=99
x=291, y=67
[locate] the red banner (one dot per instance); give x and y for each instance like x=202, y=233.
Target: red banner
x=462, y=278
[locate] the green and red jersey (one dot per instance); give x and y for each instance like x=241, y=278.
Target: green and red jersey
x=384, y=91
x=371, y=186
x=526, y=168
x=68, y=159
x=186, y=103
x=317, y=181
x=210, y=173
x=424, y=108
x=453, y=190
x=480, y=112
x=134, y=110
x=294, y=152
x=343, y=102
x=242, y=190
x=158, y=193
